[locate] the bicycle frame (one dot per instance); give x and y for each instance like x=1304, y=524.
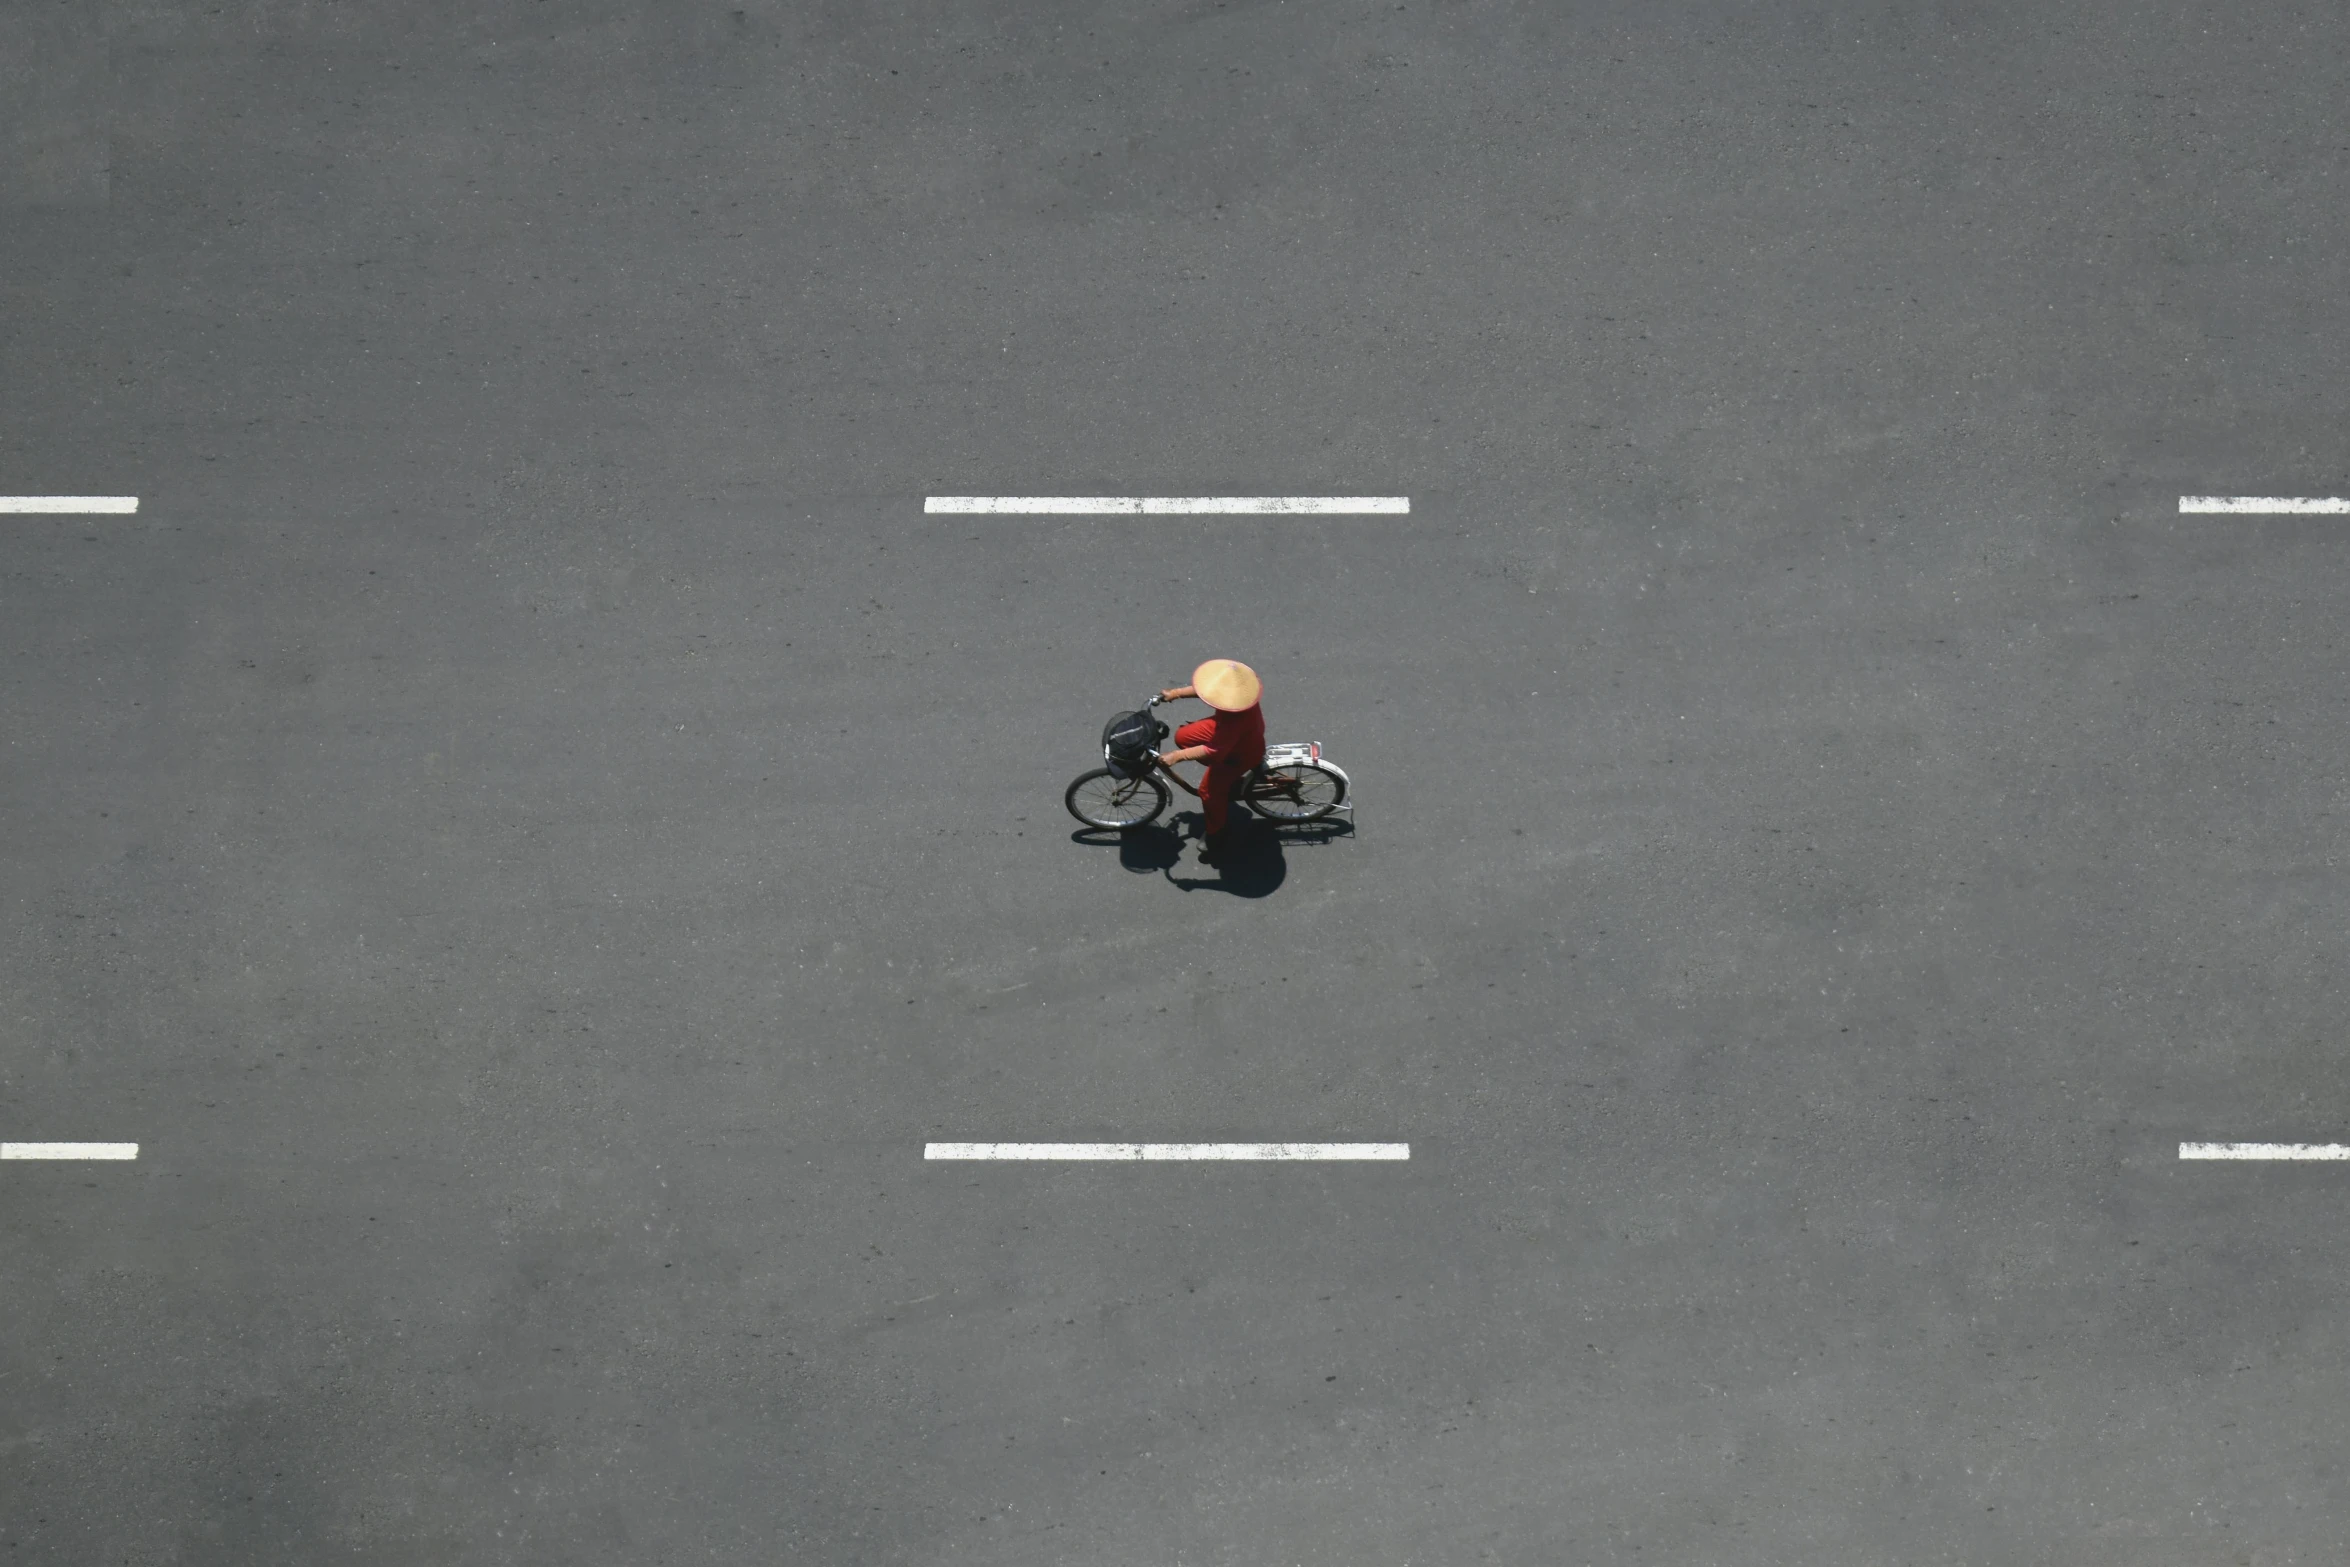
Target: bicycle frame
x=1254, y=781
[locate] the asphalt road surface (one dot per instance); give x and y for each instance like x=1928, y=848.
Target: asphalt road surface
x=531, y=828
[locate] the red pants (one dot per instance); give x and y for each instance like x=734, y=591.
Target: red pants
x=1215, y=790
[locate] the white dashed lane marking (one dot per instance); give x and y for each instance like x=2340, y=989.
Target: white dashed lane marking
x=1171, y=505
x=69, y=1150
x=1260, y=1152
x=2266, y=505
x=58, y=504
x=2321, y=1151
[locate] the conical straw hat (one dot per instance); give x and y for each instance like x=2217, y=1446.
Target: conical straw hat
x=1227, y=685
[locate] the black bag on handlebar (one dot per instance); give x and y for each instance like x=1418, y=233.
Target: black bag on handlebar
x=1130, y=740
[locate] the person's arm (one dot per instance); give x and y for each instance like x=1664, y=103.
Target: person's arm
x=1189, y=753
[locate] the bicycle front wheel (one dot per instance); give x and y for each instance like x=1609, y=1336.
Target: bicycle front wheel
x=1103, y=799
x=1296, y=792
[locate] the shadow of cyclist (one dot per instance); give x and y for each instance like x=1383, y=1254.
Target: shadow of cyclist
x=1142, y=850
x=1251, y=865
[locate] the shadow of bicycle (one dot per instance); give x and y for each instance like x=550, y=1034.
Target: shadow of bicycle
x=1253, y=864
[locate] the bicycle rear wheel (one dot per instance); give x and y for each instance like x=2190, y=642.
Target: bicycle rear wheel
x=1103, y=799
x=1295, y=792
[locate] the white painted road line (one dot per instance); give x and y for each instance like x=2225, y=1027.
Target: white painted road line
x=69, y=1150
x=1172, y=505
x=2266, y=505
x=1153, y=1151
x=2328, y=1151
x=51, y=504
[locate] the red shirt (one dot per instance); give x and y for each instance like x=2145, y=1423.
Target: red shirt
x=1232, y=739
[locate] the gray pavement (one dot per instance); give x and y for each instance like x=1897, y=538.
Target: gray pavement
x=530, y=828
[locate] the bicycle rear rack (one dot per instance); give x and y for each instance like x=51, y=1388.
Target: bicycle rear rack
x=1290, y=752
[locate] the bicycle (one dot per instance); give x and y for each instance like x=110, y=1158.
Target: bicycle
x=1294, y=783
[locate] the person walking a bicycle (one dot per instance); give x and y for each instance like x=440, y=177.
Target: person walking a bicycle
x=1230, y=741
